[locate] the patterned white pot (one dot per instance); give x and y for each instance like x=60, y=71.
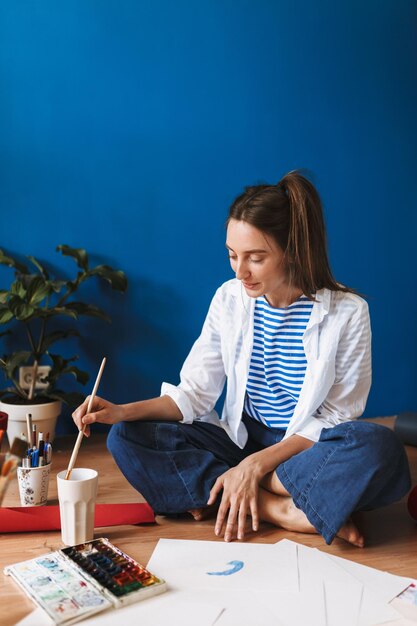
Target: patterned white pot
x=43, y=415
x=33, y=485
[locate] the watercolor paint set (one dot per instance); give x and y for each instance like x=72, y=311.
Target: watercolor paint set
x=76, y=582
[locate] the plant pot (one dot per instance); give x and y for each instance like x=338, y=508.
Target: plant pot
x=43, y=415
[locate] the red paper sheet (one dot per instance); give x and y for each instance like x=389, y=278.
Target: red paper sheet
x=29, y=519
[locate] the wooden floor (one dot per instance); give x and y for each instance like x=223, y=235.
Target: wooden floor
x=391, y=535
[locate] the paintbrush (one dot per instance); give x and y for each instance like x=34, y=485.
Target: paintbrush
x=29, y=428
x=81, y=433
x=19, y=447
x=8, y=469
x=10, y=465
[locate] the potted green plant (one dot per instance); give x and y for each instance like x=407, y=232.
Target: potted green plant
x=34, y=307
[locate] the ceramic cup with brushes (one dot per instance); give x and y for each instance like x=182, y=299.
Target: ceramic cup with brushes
x=33, y=475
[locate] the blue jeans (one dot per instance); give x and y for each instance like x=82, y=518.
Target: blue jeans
x=354, y=466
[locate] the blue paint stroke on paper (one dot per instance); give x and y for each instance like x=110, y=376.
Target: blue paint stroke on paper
x=236, y=566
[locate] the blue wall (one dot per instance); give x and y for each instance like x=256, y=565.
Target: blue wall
x=128, y=127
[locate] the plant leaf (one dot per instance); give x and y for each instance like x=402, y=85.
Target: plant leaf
x=72, y=398
x=61, y=366
x=58, y=364
x=11, y=262
x=56, y=335
x=79, y=254
x=58, y=310
x=38, y=290
x=87, y=309
x=18, y=289
x=21, y=309
x=5, y=314
x=81, y=377
x=36, y=263
x=116, y=278
x=57, y=285
x=10, y=363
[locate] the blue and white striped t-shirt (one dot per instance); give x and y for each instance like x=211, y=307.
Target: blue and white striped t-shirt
x=278, y=362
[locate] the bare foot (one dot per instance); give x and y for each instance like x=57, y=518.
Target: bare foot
x=281, y=511
x=350, y=533
x=203, y=513
x=197, y=514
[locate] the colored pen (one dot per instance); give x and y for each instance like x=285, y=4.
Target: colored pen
x=41, y=450
x=48, y=449
x=27, y=461
x=35, y=456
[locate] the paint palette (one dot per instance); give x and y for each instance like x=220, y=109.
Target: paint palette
x=76, y=582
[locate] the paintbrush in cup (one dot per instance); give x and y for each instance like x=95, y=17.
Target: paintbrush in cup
x=81, y=433
x=30, y=429
x=8, y=470
x=19, y=447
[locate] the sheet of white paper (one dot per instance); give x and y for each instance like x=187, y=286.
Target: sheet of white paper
x=408, y=611
x=316, y=571
x=316, y=567
x=176, y=608
x=244, y=610
x=336, y=598
x=373, y=609
x=384, y=585
x=295, y=609
x=238, y=616
x=217, y=565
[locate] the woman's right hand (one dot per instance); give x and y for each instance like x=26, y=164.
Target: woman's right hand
x=102, y=411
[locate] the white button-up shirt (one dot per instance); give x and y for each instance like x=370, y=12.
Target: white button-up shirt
x=337, y=345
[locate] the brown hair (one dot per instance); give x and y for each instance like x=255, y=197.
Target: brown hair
x=291, y=213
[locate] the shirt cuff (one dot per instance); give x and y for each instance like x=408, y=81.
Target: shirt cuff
x=181, y=400
x=312, y=431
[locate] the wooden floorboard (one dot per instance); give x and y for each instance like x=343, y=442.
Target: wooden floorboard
x=390, y=533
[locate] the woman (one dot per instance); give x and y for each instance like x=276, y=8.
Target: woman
x=294, y=347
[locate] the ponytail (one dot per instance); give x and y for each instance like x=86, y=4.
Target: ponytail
x=291, y=213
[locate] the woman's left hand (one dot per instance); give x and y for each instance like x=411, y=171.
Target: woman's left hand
x=240, y=486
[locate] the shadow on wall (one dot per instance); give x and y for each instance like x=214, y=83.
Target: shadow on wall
x=142, y=351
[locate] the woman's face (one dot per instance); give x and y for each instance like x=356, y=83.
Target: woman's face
x=257, y=261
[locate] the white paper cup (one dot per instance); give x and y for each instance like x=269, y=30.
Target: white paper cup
x=77, y=499
x=33, y=485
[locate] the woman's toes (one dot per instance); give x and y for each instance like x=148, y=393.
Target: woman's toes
x=350, y=533
x=204, y=512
